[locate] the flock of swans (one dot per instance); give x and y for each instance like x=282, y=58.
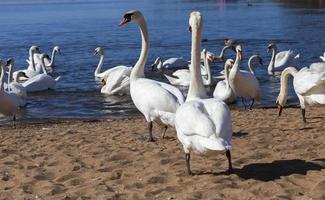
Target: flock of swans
x=202, y=122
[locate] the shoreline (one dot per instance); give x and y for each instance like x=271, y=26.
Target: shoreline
x=273, y=158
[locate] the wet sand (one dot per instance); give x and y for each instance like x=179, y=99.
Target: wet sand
x=273, y=158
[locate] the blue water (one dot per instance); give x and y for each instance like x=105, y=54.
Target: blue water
x=79, y=26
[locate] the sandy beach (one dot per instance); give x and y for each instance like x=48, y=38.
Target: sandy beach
x=273, y=158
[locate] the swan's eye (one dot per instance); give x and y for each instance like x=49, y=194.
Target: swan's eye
x=127, y=18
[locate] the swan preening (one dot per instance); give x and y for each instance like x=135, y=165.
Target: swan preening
x=157, y=101
x=280, y=60
x=202, y=123
x=116, y=80
x=309, y=85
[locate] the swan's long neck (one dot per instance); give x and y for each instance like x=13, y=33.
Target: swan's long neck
x=270, y=68
x=250, y=64
x=43, y=66
x=10, y=75
x=207, y=68
x=196, y=89
x=100, y=64
x=284, y=80
x=53, y=57
x=226, y=69
x=138, y=69
x=235, y=67
x=2, y=78
x=31, y=54
x=223, y=52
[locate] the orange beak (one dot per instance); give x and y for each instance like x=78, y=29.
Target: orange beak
x=280, y=108
x=124, y=21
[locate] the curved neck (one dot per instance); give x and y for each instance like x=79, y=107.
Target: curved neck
x=100, y=64
x=250, y=64
x=53, y=57
x=2, y=78
x=138, y=69
x=196, y=89
x=284, y=80
x=270, y=68
x=223, y=52
x=226, y=69
x=43, y=65
x=208, y=70
x=31, y=54
x=10, y=76
x=235, y=67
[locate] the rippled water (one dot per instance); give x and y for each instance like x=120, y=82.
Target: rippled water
x=79, y=26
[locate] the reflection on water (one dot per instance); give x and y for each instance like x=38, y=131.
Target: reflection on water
x=291, y=24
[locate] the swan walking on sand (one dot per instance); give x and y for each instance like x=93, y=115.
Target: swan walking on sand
x=244, y=83
x=309, y=85
x=280, y=60
x=157, y=101
x=202, y=124
x=223, y=90
x=170, y=63
x=116, y=80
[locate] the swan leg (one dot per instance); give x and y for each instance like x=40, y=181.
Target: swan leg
x=243, y=101
x=250, y=107
x=150, y=132
x=164, y=132
x=187, y=159
x=14, y=121
x=303, y=113
x=230, y=170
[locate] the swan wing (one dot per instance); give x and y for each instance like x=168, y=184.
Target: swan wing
x=174, y=91
x=306, y=80
x=175, y=63
x=282, y=58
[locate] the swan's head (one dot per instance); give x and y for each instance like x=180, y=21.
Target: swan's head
x=19, y=75
x=157, y=64
x=195, y=21
x=229, y=62
x=230, y=42
x=99, y=51
x=10, y=61
x=281, y=102
x=34, y=49
x=57, y=49
x=239, y=52
x=270, y=47
x=131, y=16
x=43, y=56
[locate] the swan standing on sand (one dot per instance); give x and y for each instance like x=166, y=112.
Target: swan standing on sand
x=30, y=71
x=170, y=63
x=309, y=85
x=244, y=83
x=41, y=81
x=157, y=101
x=116, y=80
x=223, y=90
x=8, y=105
x=49, y=62
x=281, y=60
x=202, y=124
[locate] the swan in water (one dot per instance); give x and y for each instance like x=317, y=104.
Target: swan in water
x=15, y=87
x=182, y=77
x=157, y=101
x=9, y=105
x=49, y=62
x=41, y=81
x=309, y=85
x=322, y=57
x=243, y=83
x=223, y=90
x=30, y=71
x=279, y=60
x=202, y=123
x=215, y=58
x=170, y=63
x=116, y=79
x=250, y=63
x=103, y=75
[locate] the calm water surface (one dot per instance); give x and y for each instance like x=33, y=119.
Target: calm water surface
x=79, y=26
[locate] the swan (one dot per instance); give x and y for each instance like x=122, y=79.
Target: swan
x=250, y=63
x=41, y=81
x=231, y=42
x=157, y=101
x=183, y=77
x=322, y=57
x=8, y=104
x=243, y=83
x=223, y=90
x=170, y=63
x=30, y=71
x=117, y=80
x=103, y=75
x=215, y=58
x=202, y=123
x=279, y=60
x=49, y=62
x=309, y=85
x=14, y=87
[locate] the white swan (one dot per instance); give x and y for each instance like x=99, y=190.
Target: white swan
x=30, y=71
x=14, y=87
x=309, y=85
x=202, y=124
x=182, y=77
x=49, y=62
x=223, y=90
x=281, y=60
x=8, y=104
x=117, y=79
x=103, y=75
x=214, y=58
x=243, y=83
x=170, y=63
x=251, y=65
x=157, y=101
x=41, y=81
x=322, y=57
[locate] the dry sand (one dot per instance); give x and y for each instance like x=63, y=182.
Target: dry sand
x=274, y=158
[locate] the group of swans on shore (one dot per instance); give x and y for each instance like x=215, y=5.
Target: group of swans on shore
x=33, y=79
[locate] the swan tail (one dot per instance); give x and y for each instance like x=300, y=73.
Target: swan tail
x=215, y=144
x=57, y=79
x=172, y=80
